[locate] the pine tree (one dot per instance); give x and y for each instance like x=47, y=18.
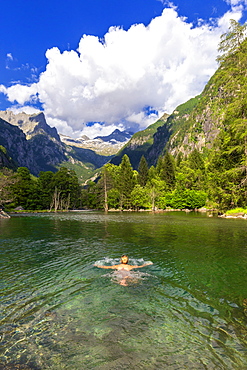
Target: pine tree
x=45, y=188
x=166, y=170
x=7, y=180
x=66, y=184
x=159, y=166
x=126, y=181
x=195, y=160
x=169, y=171
x=107, y=180
x=24, y=189
x=179, y=159
x=143, y=171
x=231, y=41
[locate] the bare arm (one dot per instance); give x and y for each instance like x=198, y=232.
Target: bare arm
x=106, y=267
x=145, y=264
x=125, y=267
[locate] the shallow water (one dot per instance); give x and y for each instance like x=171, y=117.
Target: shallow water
x=186, y=311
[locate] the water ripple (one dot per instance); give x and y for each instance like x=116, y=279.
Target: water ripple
x=59, y=312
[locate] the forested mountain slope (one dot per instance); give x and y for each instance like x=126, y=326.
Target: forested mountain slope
x=214, y=124
x=6, y=160
x=221, y=112
x=216, y=118
x=28, y=141
x=195, y=157
x=173, y=122
x=139, y=144
x=201, y=148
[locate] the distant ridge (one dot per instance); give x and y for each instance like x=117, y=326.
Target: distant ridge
x=139, y=144
x=28, y=141
x=103, y=145
x=117, y=135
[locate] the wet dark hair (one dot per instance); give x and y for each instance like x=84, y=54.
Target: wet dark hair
x=124, y=255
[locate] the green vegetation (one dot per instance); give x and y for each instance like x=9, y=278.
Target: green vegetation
x=83, y=170
x=143, y=172
x=220, y=110
x=236, y=211
x=59, y=191
x=5, y=159
x=201, y=160
x=165, y=186
x=3, y=150
x=232, y=41
x=139, y=144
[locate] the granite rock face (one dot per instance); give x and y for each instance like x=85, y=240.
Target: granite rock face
x=30, y=124
x=17, y=146
x=30, y=142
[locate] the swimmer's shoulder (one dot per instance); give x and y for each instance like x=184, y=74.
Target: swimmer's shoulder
x=123, y=267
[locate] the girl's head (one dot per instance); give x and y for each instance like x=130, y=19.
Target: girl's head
x=124, y=259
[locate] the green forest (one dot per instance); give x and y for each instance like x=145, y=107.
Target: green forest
x=213, y=176
x=181, y=183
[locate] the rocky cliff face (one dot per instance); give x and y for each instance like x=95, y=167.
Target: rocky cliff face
x=200, y=124
x=30, y=124
x=173, y=123
x=31, y=142
x=140, y=144
x=17, y=146
x=6, y=160
x=221, y=106
x=206, y=121
x=197, y=124
x=28, y=141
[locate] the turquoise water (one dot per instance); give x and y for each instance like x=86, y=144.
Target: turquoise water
x=186, y=311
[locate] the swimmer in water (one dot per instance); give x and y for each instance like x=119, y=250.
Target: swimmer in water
x=123, y=268
x=124, y=265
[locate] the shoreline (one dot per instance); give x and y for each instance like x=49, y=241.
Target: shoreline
x=201, y=210
x=242, y=216
x=209, y=212
x=4, y=214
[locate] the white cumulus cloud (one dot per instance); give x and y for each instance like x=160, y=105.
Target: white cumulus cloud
x=114, y=80
x=236, y=2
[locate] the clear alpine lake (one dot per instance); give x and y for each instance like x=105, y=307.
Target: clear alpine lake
x=186, y=311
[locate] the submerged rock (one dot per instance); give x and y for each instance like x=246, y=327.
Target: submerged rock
x=241, y=215
x=4, y=214
x=16, y=367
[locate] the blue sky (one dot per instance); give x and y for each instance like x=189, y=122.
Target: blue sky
x=118, y=63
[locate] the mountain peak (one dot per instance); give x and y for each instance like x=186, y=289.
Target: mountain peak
x=116, y=136
x=30, y=124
